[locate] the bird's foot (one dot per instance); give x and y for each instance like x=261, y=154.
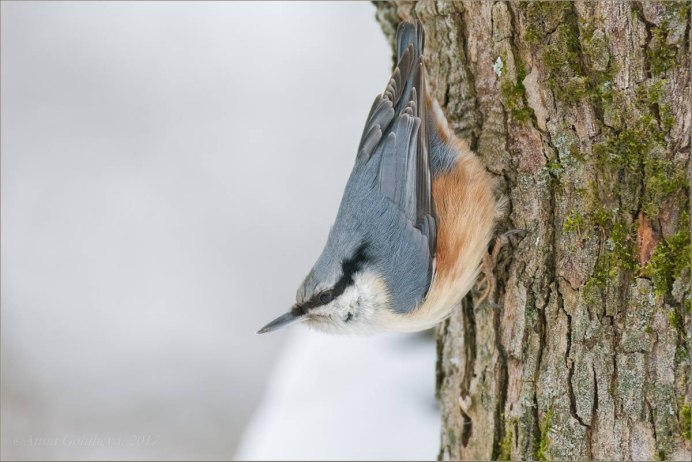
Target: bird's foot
x=488, y=265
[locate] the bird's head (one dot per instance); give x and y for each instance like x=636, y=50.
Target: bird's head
x=341, y=294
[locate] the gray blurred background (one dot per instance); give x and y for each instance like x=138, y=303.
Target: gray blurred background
x=169, y=174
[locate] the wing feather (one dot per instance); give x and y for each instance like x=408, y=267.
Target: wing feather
x=396, y=136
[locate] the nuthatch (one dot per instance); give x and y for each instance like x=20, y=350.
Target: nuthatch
x=415, y=220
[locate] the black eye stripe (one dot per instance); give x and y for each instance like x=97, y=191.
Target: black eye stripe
x=349, y=267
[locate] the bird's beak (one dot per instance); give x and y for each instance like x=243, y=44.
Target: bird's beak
x=283, y=320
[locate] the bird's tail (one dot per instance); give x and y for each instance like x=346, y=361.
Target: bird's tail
x=406, y=34
x=437, y=130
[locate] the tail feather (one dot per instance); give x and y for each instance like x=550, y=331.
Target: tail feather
x=410, y=33
x=437, y=130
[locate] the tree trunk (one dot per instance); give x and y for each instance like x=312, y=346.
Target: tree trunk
x=582, y=112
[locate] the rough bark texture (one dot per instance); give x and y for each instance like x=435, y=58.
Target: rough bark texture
x=582, y=112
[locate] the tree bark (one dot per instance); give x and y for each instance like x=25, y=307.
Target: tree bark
x=582, y=112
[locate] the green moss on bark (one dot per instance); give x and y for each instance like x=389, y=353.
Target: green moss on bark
x=544, y=441
x=670, y=258
x=662, y=56
x=685, y=422
x=514, y=97
x=574, y=223
x=577, y=62
x=506, y=447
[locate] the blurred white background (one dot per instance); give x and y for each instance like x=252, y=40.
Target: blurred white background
x=169, y=175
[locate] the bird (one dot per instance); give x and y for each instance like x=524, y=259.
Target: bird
x=414, y=224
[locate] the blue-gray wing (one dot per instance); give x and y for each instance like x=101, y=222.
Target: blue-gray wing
x=396, y=144
x=396, y=136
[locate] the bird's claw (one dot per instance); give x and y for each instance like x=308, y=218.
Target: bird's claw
x=488, y=264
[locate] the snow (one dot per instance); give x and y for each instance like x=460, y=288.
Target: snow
x=348, y=398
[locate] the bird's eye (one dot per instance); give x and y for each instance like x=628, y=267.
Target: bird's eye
x=326, y=297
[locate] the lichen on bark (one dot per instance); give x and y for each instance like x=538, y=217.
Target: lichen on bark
x=582, y=112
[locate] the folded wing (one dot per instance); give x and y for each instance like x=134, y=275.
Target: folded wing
x=396, y=132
